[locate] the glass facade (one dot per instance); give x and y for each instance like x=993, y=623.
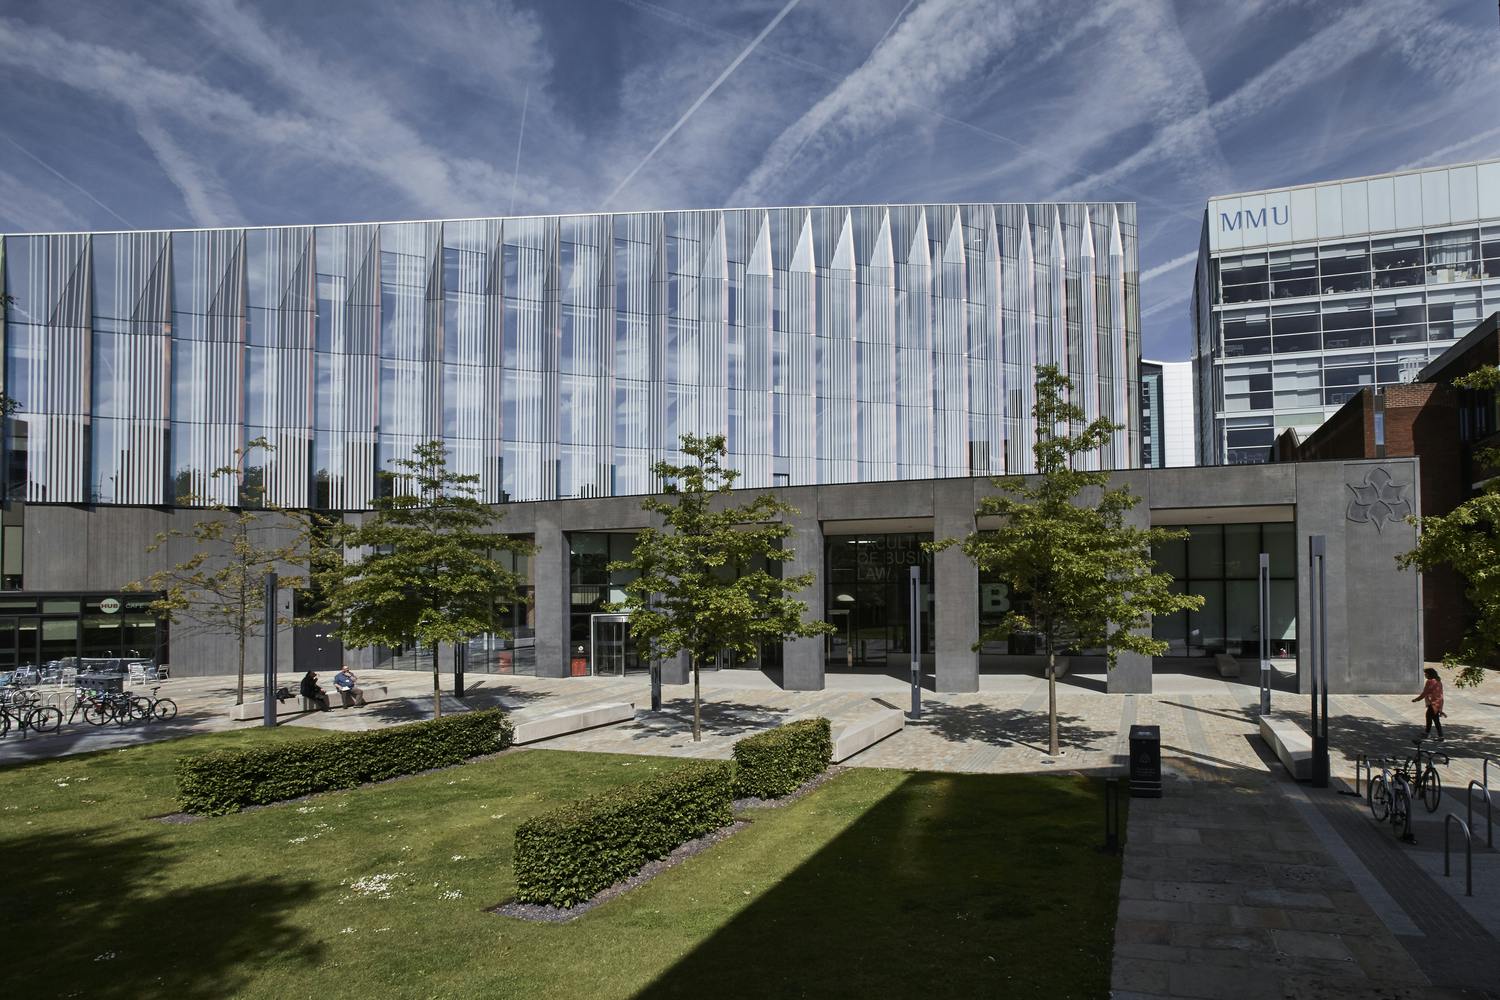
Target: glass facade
x=868, y=579
x=1153, y=433
x=47, y=630
x=561, y=356
x=1221, y=562
x=1307, y=295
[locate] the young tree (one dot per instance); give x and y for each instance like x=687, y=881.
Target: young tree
x=219, y=588
x=1062, y=543
x=1468, y=541
x=703, y=580
x=426, y=570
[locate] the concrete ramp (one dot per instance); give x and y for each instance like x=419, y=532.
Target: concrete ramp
x=573, y=720
x=849, y=738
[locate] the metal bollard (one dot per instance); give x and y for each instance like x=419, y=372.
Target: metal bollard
x=1448, y=821
x=1489, y=826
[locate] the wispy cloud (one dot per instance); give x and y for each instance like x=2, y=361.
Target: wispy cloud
x=734, y=64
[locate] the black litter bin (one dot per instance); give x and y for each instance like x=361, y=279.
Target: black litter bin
x=1145, y=762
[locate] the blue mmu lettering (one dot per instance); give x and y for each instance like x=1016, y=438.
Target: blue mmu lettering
x=1254, y=219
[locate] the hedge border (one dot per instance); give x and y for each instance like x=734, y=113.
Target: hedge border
x=571, y=854
x=779, y=761
x=225, y=781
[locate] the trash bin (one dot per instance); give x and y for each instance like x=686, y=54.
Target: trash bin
x=1145, y=762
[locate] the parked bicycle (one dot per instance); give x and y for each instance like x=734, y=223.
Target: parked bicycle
x=24, y=710
x=1390, y=798
x=1423, y=777
x=155, y=709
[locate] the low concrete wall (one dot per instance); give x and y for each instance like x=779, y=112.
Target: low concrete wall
x=1290, y=744
x=572, y=721
x=851, y=737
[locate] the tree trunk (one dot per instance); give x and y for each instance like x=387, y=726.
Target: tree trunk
x=437, y=687
x=1051, y=701
x=697, y=703
x=239, y=694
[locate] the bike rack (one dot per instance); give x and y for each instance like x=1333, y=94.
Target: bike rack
x=1111, y=816
x=1489, y=825
x=1448, y=821
x=1363, y=762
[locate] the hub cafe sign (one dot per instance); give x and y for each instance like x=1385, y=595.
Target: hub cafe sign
x=109, y=606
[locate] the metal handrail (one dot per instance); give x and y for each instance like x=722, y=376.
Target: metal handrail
x=1448, y=821
x=1489, y=825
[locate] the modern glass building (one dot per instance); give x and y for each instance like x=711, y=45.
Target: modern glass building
x=1306, y=294
x=561, y=356
x=1168, y=430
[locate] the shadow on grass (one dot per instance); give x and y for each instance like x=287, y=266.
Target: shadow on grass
x=80, y=737
x=85, y=913
x=950, y=885
x=1004, y=727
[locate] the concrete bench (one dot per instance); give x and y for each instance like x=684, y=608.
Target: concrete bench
x=850, y=738
x=573, y=720
x=1228, y=665
x=297, y=705
x=1290, y=744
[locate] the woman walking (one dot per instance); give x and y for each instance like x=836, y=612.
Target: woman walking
x=1432, y=693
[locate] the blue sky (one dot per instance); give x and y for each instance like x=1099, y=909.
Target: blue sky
x=225, y=112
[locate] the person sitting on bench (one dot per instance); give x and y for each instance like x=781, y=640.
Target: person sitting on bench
x=313, y=693
x=344, y=680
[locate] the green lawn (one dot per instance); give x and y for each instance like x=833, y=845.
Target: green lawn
x=880, y=884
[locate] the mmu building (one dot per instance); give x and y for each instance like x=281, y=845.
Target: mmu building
x=875, y=364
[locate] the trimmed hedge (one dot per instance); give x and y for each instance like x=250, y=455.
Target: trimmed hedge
x=567, y=856
x=226, y=781
x=776, y=762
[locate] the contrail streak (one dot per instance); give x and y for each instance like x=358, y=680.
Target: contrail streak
x=754, y=42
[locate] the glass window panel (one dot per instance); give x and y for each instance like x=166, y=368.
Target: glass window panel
x=1171, y=558
x=1242, y=617
x=1241, y=551
x=1284, y=617
x=1205, y=550
x=1206, y=626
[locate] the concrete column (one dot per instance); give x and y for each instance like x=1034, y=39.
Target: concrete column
x=802, y=659
x=553, y=595
x=677, y=670
x=955, y=589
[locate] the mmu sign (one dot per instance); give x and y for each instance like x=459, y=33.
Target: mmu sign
x=1260, y=218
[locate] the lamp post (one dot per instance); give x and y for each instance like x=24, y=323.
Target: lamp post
x=1265, y=634
x=268, y=683
x=1317, y=555
x=916, y=642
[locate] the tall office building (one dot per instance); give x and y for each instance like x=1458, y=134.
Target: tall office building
x=1305, y=294
x=1168, y=430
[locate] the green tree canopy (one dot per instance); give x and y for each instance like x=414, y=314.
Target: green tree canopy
x=1468, y=541
x=704, y=580
x=424, y=567
x=1088, y=579
x=219, y=588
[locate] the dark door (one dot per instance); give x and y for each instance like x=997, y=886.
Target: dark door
x=314, y=648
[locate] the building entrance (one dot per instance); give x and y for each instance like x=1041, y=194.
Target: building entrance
x=867, y=599
x=610, y=650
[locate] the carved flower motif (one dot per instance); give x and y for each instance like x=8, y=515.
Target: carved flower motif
x=1378, y=499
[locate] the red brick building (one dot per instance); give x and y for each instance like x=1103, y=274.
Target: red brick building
x=1441, y=425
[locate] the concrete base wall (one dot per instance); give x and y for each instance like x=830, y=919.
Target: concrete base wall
x=1374, y=615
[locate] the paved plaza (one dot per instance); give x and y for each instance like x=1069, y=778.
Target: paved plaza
x=1238, y=883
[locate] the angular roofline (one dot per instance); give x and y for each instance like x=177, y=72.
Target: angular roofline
x=554, y=215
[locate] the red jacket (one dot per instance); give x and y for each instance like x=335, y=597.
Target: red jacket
x=1432, y=693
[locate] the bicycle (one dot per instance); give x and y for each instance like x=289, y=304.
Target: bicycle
x=1424, y=778
x=1390, y=798
x=156, y=709
x=29, y=714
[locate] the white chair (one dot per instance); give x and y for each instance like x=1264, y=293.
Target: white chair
x=137, y=674
x=69, y=677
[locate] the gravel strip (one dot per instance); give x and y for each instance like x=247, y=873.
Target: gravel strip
x=561, y=915
x=810, y=785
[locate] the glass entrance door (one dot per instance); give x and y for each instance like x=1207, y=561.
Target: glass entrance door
x=612, y=654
